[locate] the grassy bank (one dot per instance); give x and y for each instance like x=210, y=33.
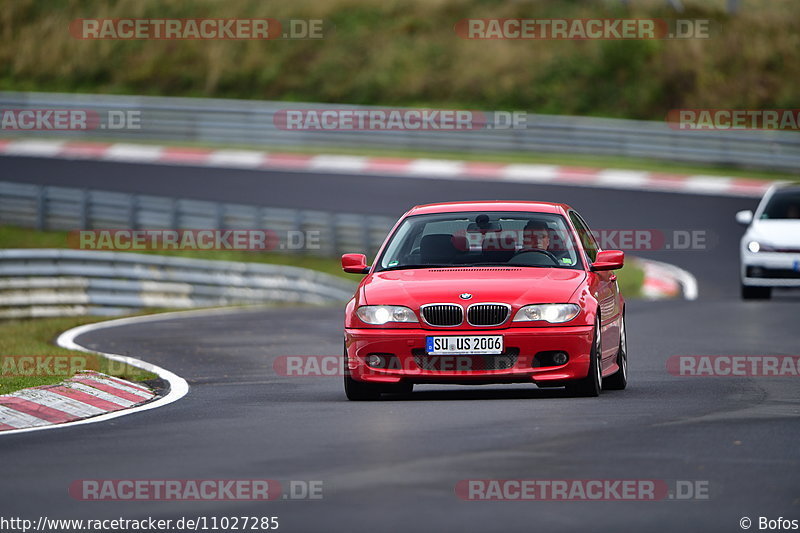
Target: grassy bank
x=19, y=338
x=406, y=52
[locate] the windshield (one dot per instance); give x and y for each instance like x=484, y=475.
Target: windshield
x=481, y=239
x=783, y=204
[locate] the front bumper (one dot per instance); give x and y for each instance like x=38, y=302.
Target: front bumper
x=517, y=364
x=770, y=269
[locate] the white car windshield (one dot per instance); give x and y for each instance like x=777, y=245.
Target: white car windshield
x=482, y=239
x=783, y=204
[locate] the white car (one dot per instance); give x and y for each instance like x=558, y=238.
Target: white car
x=770, y=248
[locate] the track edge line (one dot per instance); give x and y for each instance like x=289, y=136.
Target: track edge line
x=178, y=387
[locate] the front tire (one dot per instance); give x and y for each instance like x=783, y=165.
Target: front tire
x=756, y=293
x=619, y=379
x=360, y=391
x=590, y=385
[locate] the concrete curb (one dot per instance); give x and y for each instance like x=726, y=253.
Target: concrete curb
x=385, y=166
x=87, y=394
x=663, y=281
x=178, y=387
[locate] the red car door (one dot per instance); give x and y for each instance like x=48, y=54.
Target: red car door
x=604, y=286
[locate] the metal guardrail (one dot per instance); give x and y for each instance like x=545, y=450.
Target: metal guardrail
x=54, y=282
x=50, y=282
x=68, y=208
x=246, y=122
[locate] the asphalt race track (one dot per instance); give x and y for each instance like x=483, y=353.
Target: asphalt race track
x=393, y=465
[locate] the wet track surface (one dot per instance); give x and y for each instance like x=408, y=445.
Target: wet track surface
x=393, y=465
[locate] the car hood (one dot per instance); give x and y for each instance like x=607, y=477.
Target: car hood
x=515, y=286
x=782, y=233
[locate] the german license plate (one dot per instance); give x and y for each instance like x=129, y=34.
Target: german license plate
x=464, y=345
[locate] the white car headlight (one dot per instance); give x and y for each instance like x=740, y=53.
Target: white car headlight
x=553, y=313
x=756, y=246
x=381, y=314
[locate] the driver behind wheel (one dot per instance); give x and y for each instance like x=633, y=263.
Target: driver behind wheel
x=537, y=235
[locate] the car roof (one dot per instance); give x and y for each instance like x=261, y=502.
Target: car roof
x=489, y=205
x=786, y=186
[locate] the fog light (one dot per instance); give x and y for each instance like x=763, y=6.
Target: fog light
x=550, y=358
x=375, y=361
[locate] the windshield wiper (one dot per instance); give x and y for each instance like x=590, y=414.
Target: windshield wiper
x=510, y=265
x=403, y=267
x=486, y=264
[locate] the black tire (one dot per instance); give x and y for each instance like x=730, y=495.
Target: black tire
x=398, y=388
x=756, y=293
x=360, y=391
x=619, y=379
x=591, y=385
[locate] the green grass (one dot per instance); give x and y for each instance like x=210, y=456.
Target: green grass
x=630, y=280
x=36, y=337
x=405, y=52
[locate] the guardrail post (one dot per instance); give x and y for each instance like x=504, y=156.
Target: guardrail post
x=132, y=207
x=174, y=214
x=41, y=205
x=365, y=234
x=84, y=209
x=219, y=215
x=299, y=218
x=333, y=234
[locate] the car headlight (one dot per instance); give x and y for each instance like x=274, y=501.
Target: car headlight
x=553, y=313
x=381, y=314
x=755, y=247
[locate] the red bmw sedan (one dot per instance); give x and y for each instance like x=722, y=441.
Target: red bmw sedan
x=486, y=292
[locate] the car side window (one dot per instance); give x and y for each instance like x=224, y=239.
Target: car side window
x=587, y=239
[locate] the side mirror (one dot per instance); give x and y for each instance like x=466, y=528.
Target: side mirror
x=609, y=260
x=744, y=217
x=355, y=263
